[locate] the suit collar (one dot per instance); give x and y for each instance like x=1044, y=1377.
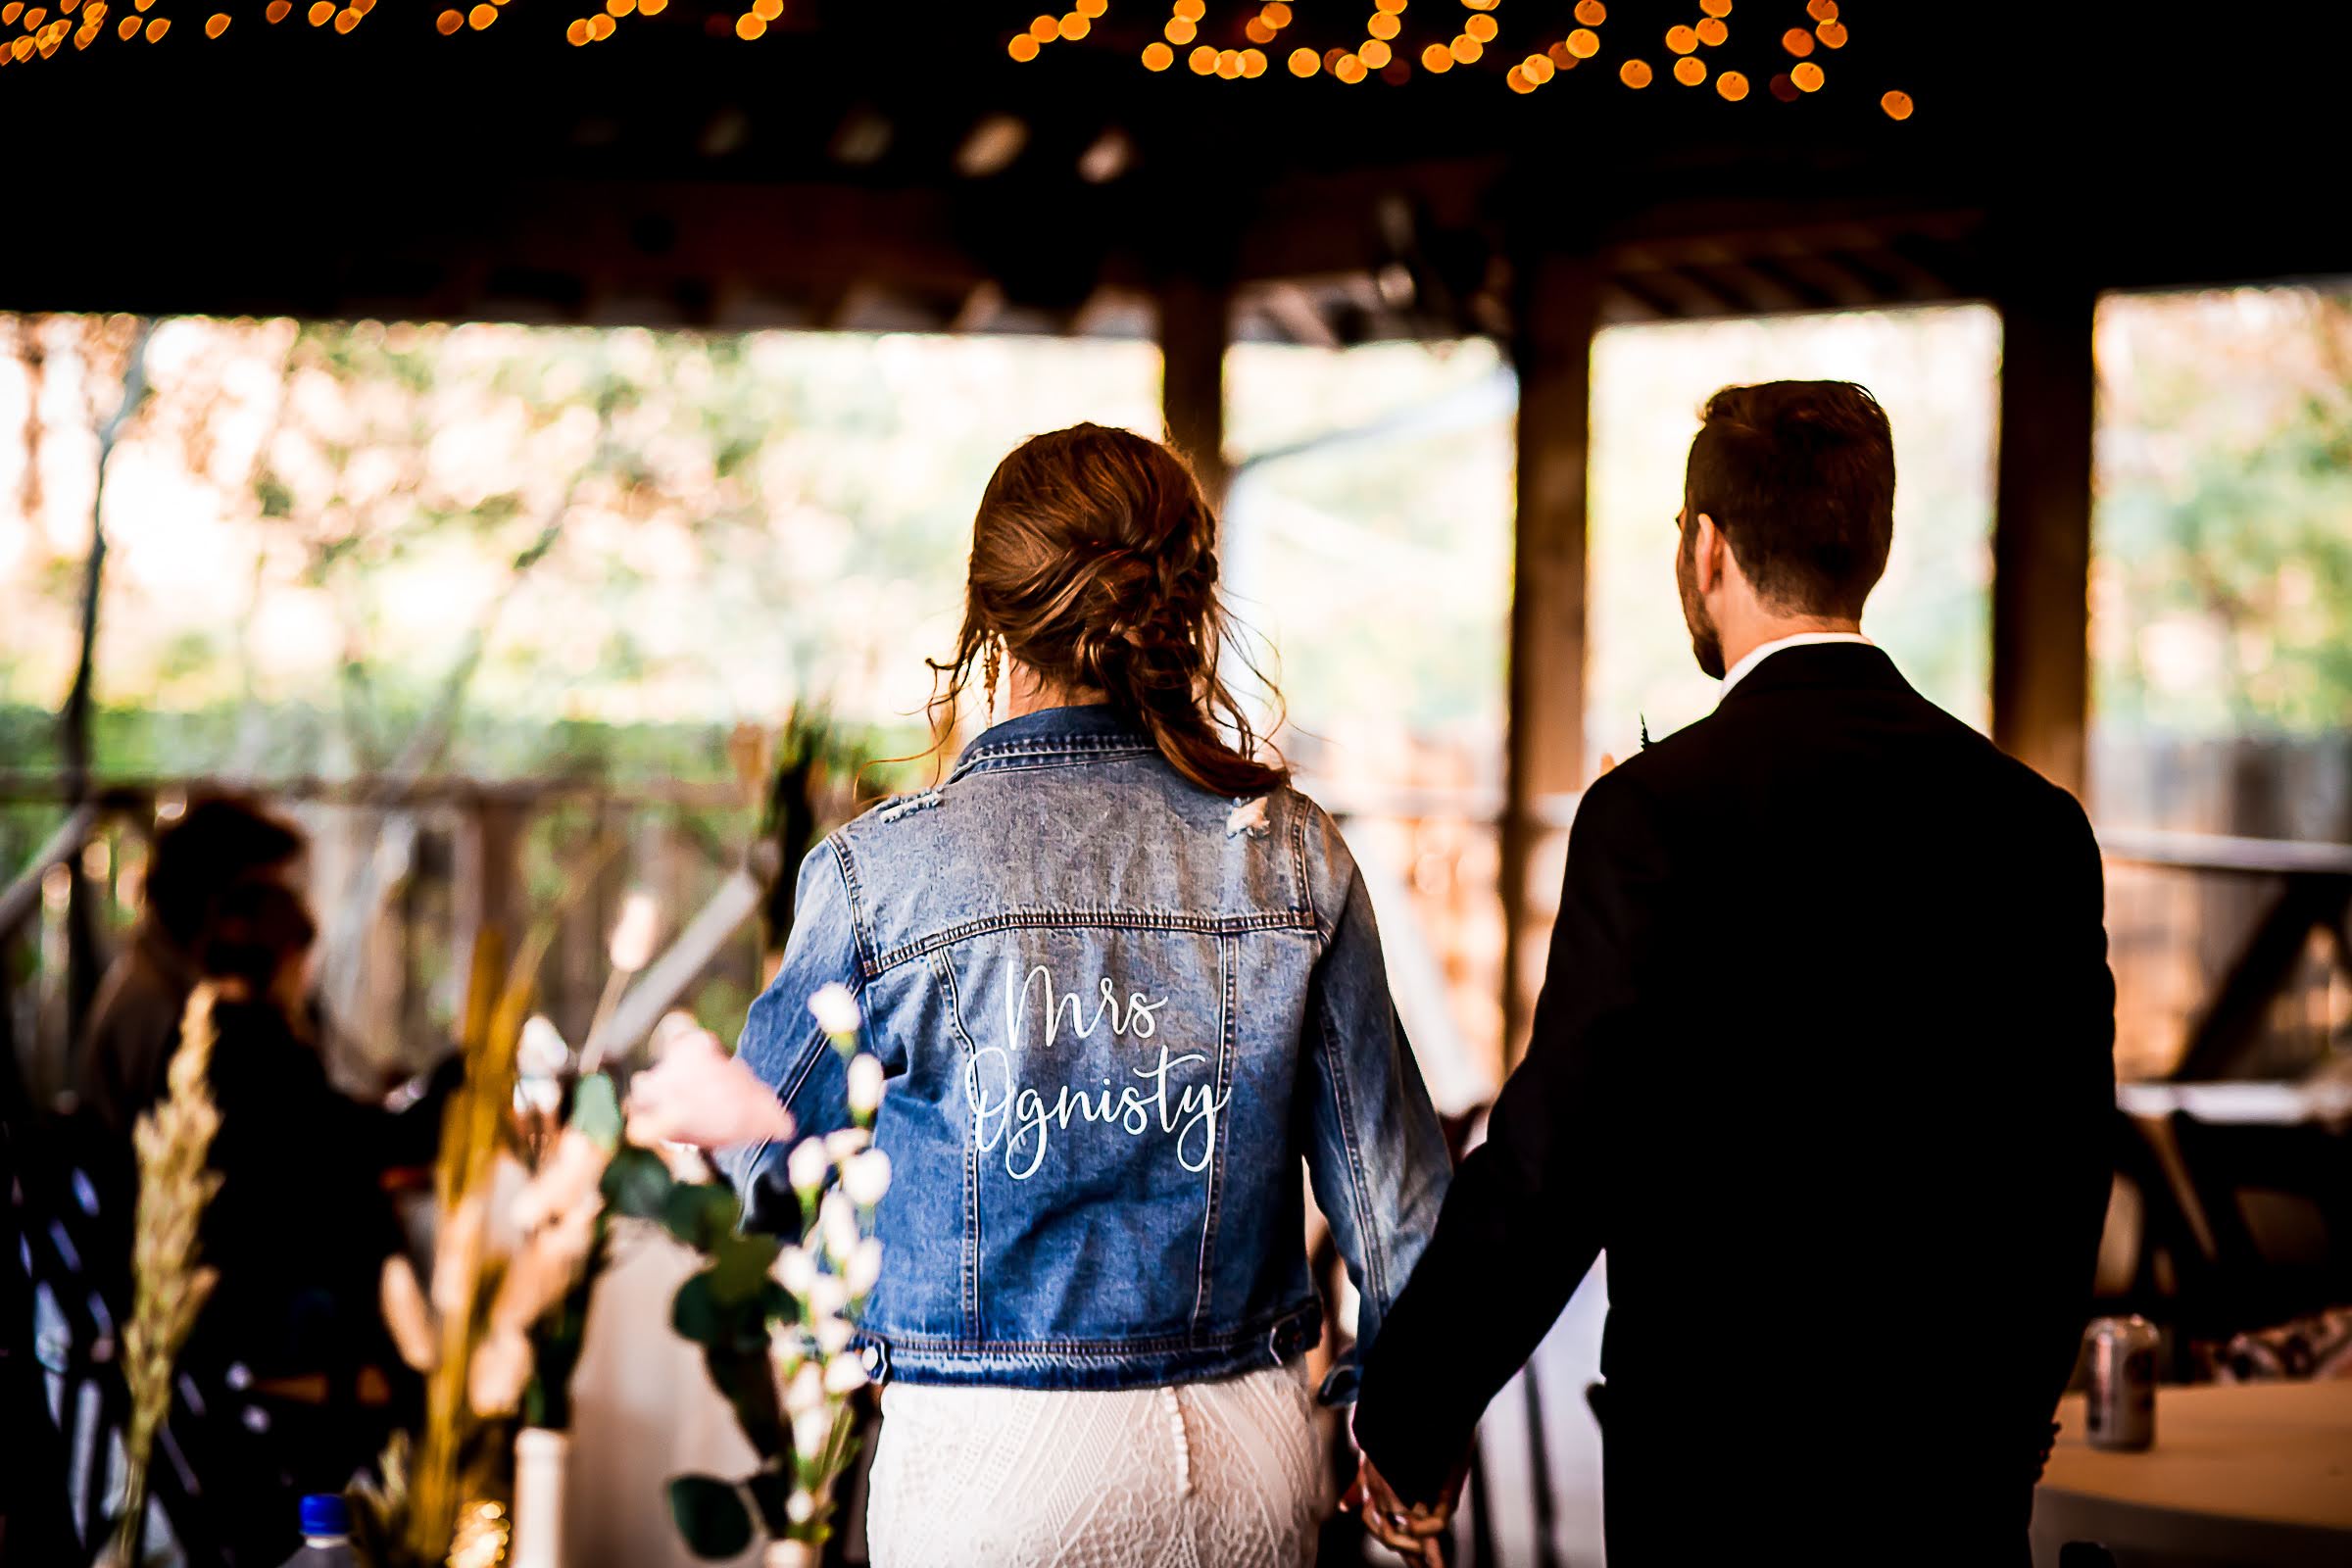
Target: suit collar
x=1820, y=667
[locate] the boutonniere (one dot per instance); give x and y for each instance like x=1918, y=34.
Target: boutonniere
x=1645, y=721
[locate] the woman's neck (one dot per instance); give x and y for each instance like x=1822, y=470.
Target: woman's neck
x=1027, y=692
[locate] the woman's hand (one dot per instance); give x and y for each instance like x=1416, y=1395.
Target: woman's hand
x=701, y=1095
x=1411, y=1532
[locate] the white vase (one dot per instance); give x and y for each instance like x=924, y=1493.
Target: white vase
x=540, y=1458
x=790, y=1554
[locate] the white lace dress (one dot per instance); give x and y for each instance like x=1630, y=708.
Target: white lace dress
x=1203, y=1475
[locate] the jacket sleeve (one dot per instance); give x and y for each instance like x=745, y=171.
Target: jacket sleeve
x=1522, y=1223
x=1375, y=1155
x=782, y=1044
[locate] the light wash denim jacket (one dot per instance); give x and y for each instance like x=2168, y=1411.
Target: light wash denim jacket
x=1115, y=1012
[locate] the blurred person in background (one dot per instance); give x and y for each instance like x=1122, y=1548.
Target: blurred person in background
x=218, y=844
x=1824, y=1059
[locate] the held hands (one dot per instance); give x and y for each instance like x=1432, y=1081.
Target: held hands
x=1414, y=1531
x=699, y=1095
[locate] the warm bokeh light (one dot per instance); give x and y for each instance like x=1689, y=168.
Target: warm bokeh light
x=1158, y=56
x=1682, y=39
x=1716, y=9
x=1202, y=61
x=1181, y=30
x=602, y=27
x=447, y=23
x=1481, y=27
x=1375, y=53
x=1784, y=89
x=1253, y=63
x=216, y=25
x=749, y=28
x=1583, y=44
x=1732, y=85
x=1467, y=49
x=1189, y=10
x=1897, y=105
x=1712, y=31
x=1304, y=63
x=1257, y=31
x=1044, y=28
x=1807, y=75
x=481, y=16
x=157, y=28
x=1075, y=27
x=1436, y=58
x=1383, y=25
x=1022, y=47
x=1276, y=14
x=1832, y=33
x=1821, y=10
x=1690, y=71
x=1539, y=68
x=1798, y=41
x=1633, y=72
x=1592, y=13
x=1349, y=69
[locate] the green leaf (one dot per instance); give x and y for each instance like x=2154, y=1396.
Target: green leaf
x=710, y=1515
x=637, y=1184
x=771, y=1495
x=596, y=1110
x=697, y=1313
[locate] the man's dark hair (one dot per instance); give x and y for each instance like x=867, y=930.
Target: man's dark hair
x=1799, y=477
x=218, y=842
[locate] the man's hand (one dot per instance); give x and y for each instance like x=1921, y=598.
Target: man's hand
x=1412, y=1530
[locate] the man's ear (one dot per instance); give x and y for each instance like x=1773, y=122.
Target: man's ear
x=1706, y=553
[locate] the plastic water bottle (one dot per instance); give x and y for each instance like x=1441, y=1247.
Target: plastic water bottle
x=325, y=1533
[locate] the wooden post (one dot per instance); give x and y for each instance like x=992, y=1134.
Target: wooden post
x=1194, y=322
x=2041, y=532
x=1557, y=315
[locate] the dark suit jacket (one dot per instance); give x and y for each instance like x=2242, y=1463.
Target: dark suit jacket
x=1824, y=1059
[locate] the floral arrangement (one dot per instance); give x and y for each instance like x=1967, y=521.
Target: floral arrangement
x=775, y=1320
x=170, y=1287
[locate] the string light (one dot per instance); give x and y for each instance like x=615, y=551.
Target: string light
x=1681, y=39
x=1731, y=86
x=1711, y=32
x=1690, y=71
x=1807, y=75
x=1304, y=63
x=1158, y=56
x=1634, y=73
x=1798, y=41
x=1896, y=104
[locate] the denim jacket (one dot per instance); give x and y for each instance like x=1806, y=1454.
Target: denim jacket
x=1115, y=1012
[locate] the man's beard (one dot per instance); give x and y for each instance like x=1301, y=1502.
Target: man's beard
x=1706, y=643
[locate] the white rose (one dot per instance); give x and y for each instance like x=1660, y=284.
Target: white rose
x=837, y=1222
x=865, y=1267
x=541, y=1052
x=832, y=1338
x=807, y=1165
x=811, y=1430
x=800, y=1507
x=795, y=1269
x=633, y=934
x=807, y=1390
x=848, y=1141
x=827, y=1295
x=865, y=1082
x=844, y=1375
x=866, y=1178
x=836, y=1011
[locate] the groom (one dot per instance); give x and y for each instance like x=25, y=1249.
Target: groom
x=1824, y=1062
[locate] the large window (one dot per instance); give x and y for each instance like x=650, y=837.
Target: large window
x=1368, y=540
x=2221, y=636
x=1934, y=370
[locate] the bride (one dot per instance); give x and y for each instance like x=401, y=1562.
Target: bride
x=1125, y=981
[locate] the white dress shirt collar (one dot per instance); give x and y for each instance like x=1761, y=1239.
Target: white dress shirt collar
x=1762, y=650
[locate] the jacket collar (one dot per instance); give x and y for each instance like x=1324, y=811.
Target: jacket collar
x=1820, y=667
x=1096, y=729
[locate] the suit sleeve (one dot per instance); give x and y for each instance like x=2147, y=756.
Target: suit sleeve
x=1523, y=1221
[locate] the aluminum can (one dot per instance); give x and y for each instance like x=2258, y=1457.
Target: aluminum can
x=2120, y=1408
